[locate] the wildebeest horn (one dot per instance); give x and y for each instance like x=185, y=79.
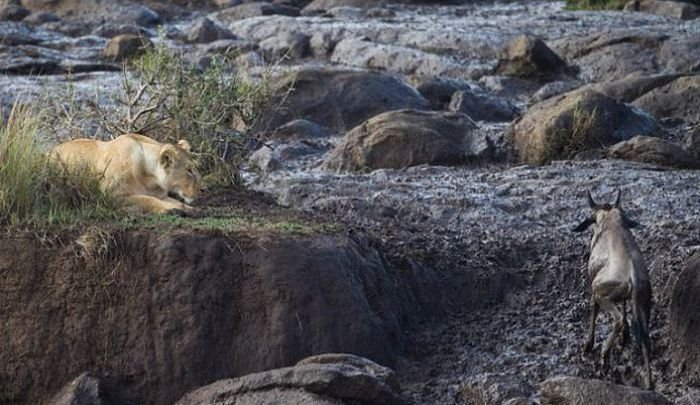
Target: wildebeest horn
x=591, y=203
x=617, y=199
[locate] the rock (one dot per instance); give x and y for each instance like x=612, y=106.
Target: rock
x=685, y=318
x=367, y=54
x=508, y=86
x=439, y=90
x=229, y=47
x=404, y=138
x=13, y=12
x=339, y=377
x=290, y=45
x=300, y=129
x=205, y=31
x=678, y=99
x=41, y=18
x=345, y=13
x=614, y=55
x=337, y=99
x=324, y=5
x=111, y=30
x=494, y=388
x=125, y=46
x=271, y=158
x=654, y=150
x=671, y=9
x=562, y=126
x=552, y=89
x=632, y=87
x=84, y=390
x=250, y=10
x=483, y=107
x=692, y=141
x=527, y=56
x=681, y=55
x=138, y=14
x=692, y=398
x=579, y=391
x=185, y=309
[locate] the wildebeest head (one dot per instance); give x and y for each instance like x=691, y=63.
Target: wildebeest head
x=602, y=212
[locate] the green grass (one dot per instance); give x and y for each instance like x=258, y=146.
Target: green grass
x=595, y=4
x=232, y=222
x=35, y=190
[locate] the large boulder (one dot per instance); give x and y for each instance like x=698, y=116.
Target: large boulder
x=614, y=55
x=482, y=106
x=125, y=46
x=657, y=151
x=205, y=31
x=527, y=56
x=324, y=379
x=685, y=318
x=678, y=99
x=494, y=388
x=337, y=99
x=171, y=312
x=562, y=126
x=632, y=87
x=256, y=9
x=672, y=9
x=403, y=138
x=579, y=391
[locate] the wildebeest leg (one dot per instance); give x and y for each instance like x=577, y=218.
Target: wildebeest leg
x=591, y=327
x=625, y=325
x=617, y=330
x=647, y=366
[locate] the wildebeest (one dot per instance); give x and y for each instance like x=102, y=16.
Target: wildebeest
x=618, y=276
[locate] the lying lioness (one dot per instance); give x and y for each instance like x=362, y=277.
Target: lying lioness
x=138, y=169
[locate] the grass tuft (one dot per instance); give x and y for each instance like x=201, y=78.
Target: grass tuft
x=35, y=190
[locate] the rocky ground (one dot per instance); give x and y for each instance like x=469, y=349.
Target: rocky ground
x=477, y=208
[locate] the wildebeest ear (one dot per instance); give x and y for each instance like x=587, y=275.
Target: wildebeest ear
x=630, y=223
x=584, y=225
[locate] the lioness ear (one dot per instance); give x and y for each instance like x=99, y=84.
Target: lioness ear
x=167, y=157
x=184, y=145
x=584, y=225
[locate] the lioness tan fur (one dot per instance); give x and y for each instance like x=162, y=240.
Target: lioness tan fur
x=138, y=169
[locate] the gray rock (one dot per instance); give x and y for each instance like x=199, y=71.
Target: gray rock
x=691, y=398
x=205, y=31
x=229, y=47
x=685, y=318
x=678, y=99
x=579, y=391
x=630, y=88
x=405, y=138
x=139, y=15
x=324, y=5
x=439, y=90
x=111, y=30
x=336, y=99
x=84, y=390
x=264, y=160
x=614, y=55
x=125, y=46
x=339, y=377
x=483, y=107
x=372, y=55
x=552, y=89
x=679, y=54
x=562, y=126
x=275, y=157
x=494, y=388
x=657, y=151
x=290, y=45
x=692, y=141
x=672, y=9
x=13, y=12
x=300, y=129
x=41, y=18
x=508, y=86
x=527, y=56
x=250, y=10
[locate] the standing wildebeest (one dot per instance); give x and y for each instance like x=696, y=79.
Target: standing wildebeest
x=618, y=275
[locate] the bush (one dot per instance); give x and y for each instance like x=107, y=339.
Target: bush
x=34, y=190
x=167, y=98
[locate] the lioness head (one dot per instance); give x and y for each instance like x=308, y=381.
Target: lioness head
x=180, y=172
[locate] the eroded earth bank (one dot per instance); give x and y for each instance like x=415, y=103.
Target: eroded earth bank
x=412, y=206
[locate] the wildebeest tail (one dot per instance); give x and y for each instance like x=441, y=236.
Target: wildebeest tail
x=641, y=311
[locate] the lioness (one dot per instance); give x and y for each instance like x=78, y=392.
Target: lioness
x=138, y=169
